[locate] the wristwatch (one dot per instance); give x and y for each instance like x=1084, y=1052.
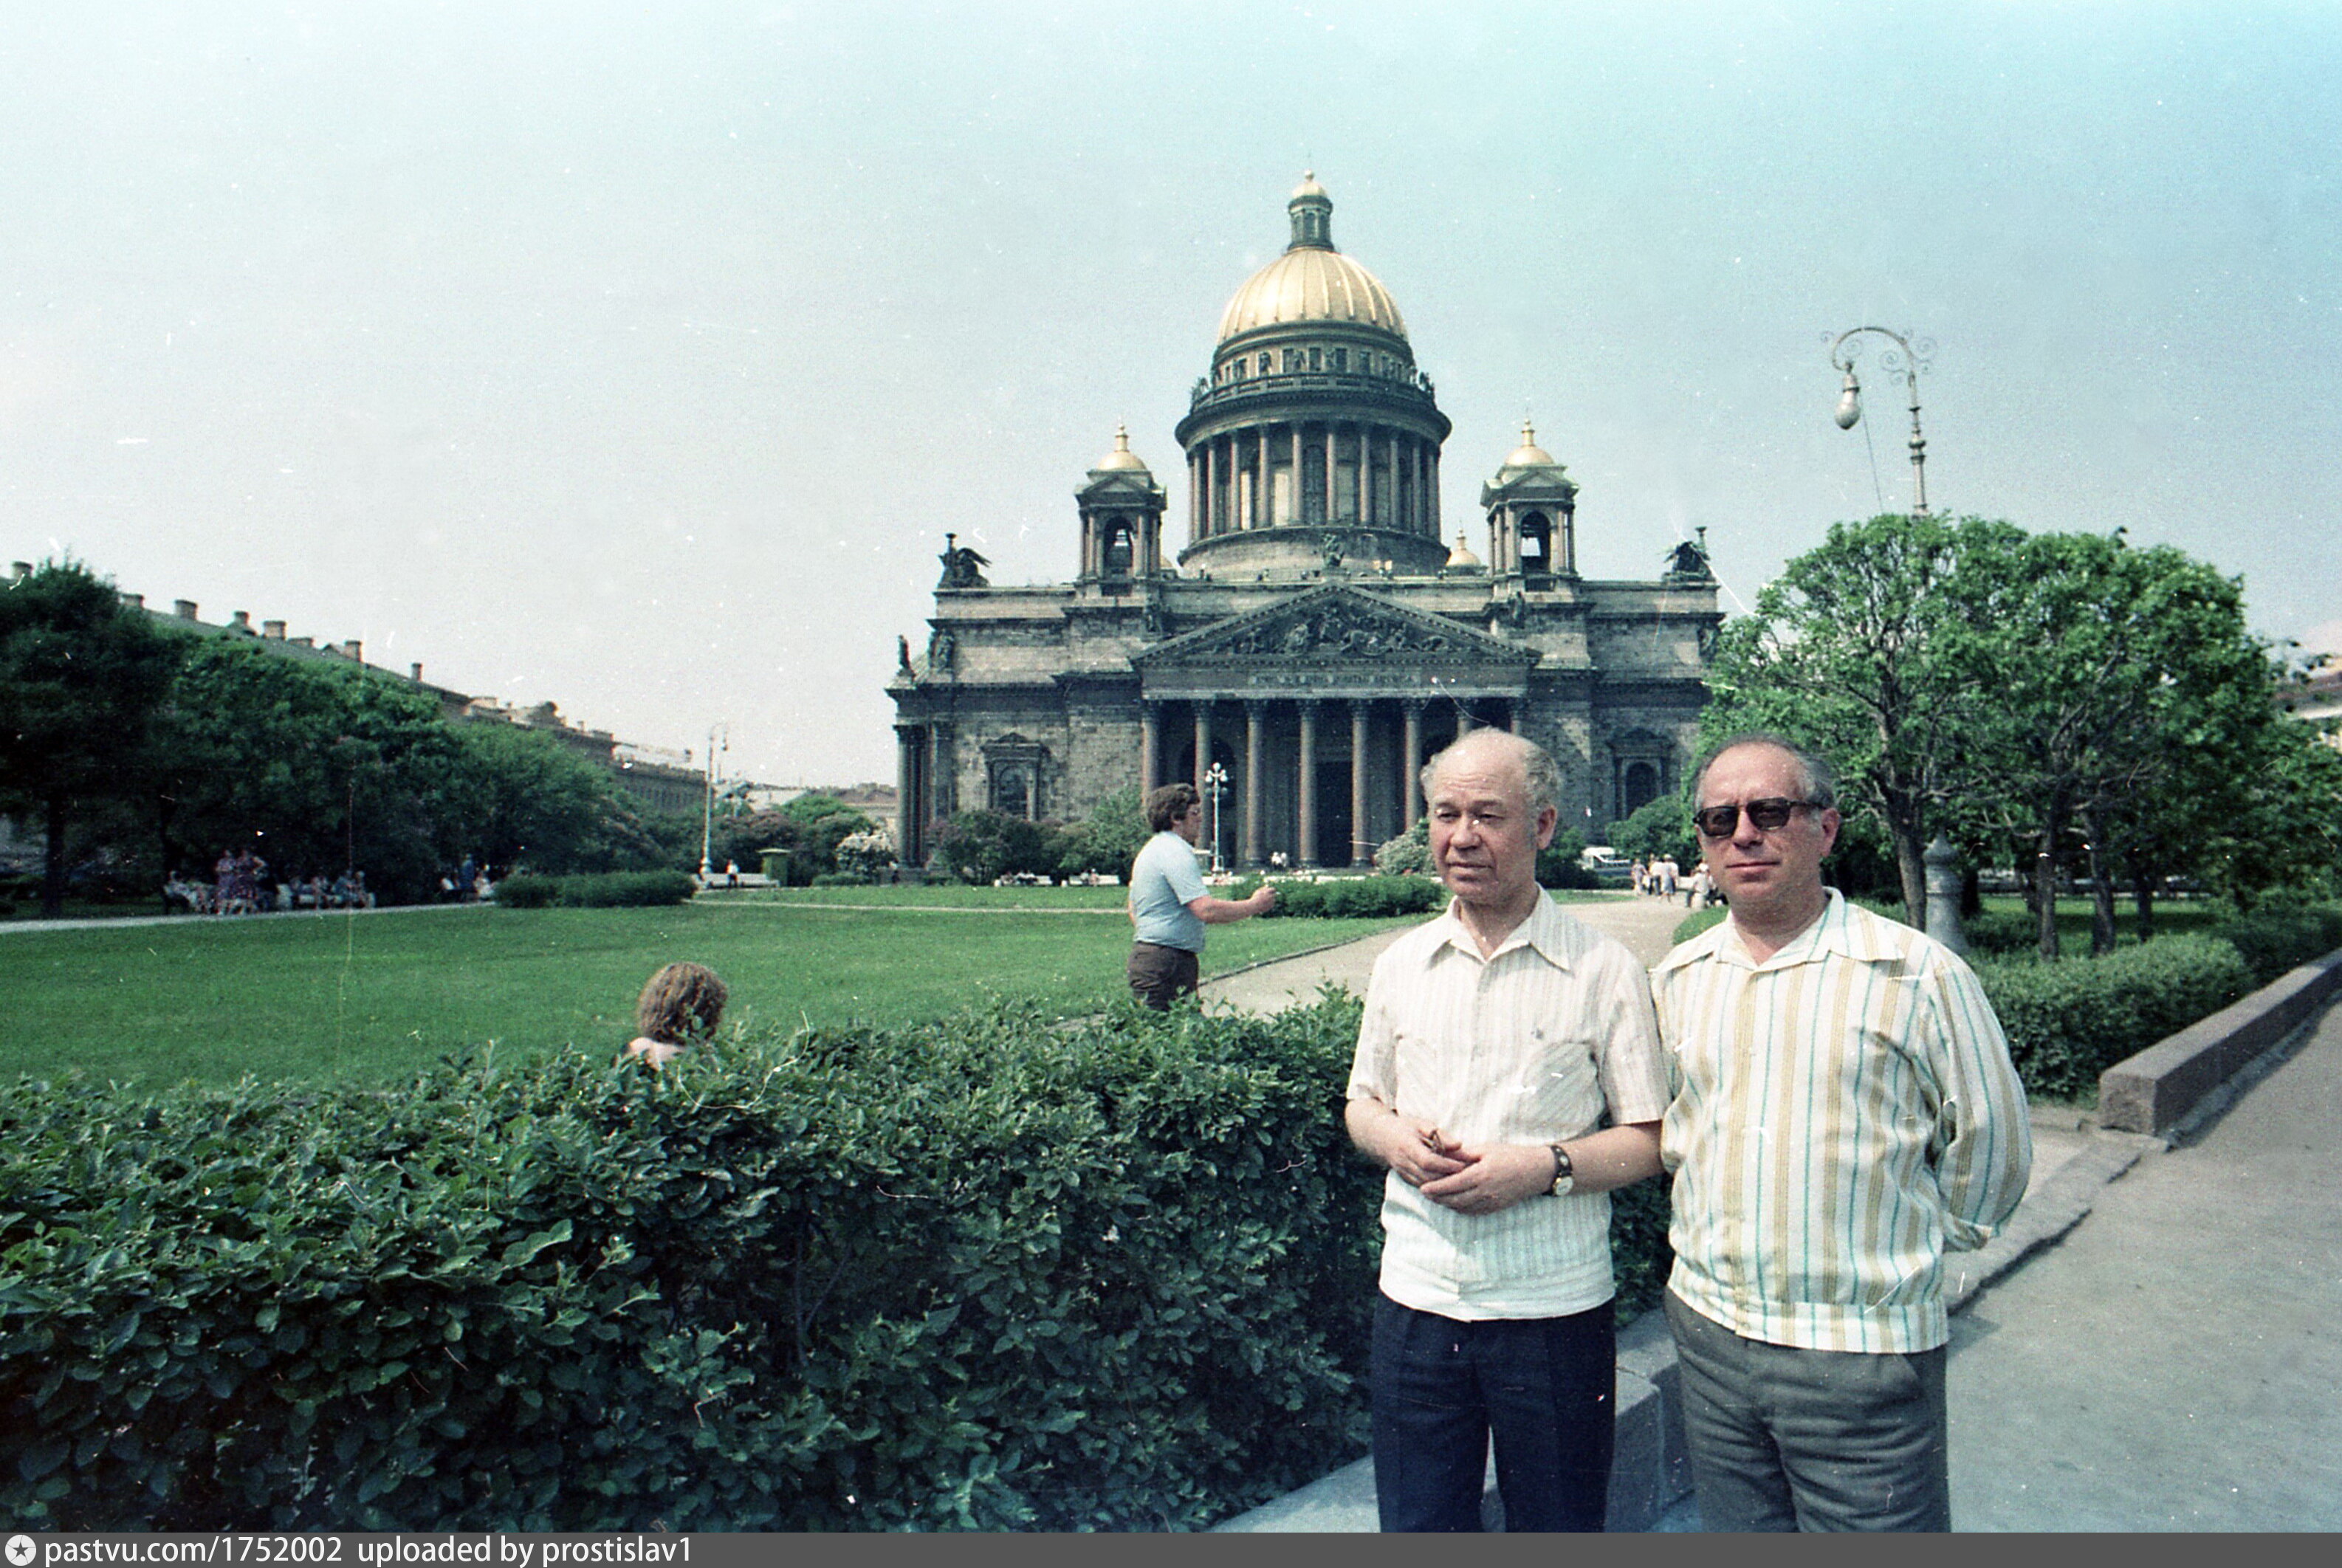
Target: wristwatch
x=1565, y=1177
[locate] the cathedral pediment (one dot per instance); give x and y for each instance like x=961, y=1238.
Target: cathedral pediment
x=1335, y=637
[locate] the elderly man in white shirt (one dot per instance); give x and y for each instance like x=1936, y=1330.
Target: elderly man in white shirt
x=1497, y=1040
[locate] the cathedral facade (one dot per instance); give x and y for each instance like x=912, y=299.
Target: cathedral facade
x=1316, y=640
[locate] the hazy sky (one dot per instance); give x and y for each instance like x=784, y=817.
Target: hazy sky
x=638, y=357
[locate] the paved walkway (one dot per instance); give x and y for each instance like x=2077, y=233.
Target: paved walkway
x=2155, y=1342
x=2175, y=1362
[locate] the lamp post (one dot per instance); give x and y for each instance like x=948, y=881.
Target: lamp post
x=708, y=796
x=1849, y=402
x=1215, y=784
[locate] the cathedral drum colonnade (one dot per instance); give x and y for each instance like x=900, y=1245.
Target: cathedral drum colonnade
x=1317, y=639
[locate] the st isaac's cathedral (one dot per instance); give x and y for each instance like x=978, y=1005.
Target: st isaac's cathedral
x=1318, y=638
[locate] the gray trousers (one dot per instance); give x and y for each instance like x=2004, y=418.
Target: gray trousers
x=1781, y=1438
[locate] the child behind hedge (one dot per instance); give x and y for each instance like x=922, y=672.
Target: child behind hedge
x=678, y=1009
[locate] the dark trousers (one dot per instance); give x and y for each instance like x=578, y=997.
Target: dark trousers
x=1544, y=1388
x=1160, y=975
x=1781, y=1438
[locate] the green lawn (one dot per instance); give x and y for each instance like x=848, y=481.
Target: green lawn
x=376, y=996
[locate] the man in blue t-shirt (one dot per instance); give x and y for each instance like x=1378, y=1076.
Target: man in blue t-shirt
x=1168, y=903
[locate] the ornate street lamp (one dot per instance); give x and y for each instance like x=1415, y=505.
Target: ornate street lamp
x=1909, y=360
x=708, y=796
x=1215, y=784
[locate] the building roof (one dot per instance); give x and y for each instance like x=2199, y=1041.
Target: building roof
x=1311, y=281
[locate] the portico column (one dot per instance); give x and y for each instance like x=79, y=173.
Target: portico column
x=1254, y=714
x=1361, y=850
x=906, y=801
x=1513, y=718
x=1299, y=513
x=1203, y=741
x=1422, y=505
x=1463, y=719
x=1325, y=463
x=1397, y=518
x=941, y=769
x=1305, y=852
x=1410, y=791
x=1150, y=746
x=1253, y=504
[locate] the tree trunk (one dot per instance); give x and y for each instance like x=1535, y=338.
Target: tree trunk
x=164, y=808
x=52, y=861
x=2142, y=890
x=1913, y=869
x=2044, y=895
x=2102, y=901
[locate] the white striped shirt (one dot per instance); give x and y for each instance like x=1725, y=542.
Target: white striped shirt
x=1844, y=1113
x=1526, y=1046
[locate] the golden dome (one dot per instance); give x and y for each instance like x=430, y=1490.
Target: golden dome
x=1122, y=457
x=1311, y=281
x=1529, y=453
x=1462, y=556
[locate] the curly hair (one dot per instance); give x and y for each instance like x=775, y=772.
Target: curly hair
x=683, y=1002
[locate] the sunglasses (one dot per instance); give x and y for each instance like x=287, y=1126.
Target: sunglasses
x=1764, y=816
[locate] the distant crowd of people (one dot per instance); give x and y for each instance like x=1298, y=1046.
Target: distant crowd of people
x=1661, y=877
x=240, y=884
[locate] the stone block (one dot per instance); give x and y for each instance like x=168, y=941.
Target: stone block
x=2154, y=1089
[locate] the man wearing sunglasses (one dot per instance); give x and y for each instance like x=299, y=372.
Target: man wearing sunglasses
x=1845, y=1112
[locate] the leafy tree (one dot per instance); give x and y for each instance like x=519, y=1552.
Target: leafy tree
x=1408, y=855
x=825, y=820
x=743, y=840
x=1558, y=864
x=1850, y=651
x=979, y=846
x=1657, y=827
x=321, y=767
x=1108, y=840
x=81, y=678
x=523, y=798
x=2117, y=675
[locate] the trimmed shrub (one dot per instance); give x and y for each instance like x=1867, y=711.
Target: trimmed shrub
x=2274, y=941
x=604, y=889
x=1355, y=897
x=526, y=890
x=2070, y=1021
x=2000, y=933
x=1408, y=855
x=992, y=1272
x=988, y=1273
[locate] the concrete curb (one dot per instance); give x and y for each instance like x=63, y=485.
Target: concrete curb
x=2156, y=1090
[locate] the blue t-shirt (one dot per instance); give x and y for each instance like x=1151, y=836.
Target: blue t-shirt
x=1162, y=882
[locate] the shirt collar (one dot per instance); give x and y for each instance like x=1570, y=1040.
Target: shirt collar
x=1545, y=929
x=1840, y=929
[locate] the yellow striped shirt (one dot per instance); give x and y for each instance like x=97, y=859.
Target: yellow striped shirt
x=1844, y=1113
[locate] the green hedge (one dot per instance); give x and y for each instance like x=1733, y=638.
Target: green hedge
x=994, y=1272
x=2070, y=1021
x=988, y=1275
x=606, y=890
x=1355, y=897
x=2274, y=941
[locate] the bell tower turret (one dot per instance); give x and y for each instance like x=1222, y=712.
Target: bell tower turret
x=1532, y=507
x=1121, y=521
